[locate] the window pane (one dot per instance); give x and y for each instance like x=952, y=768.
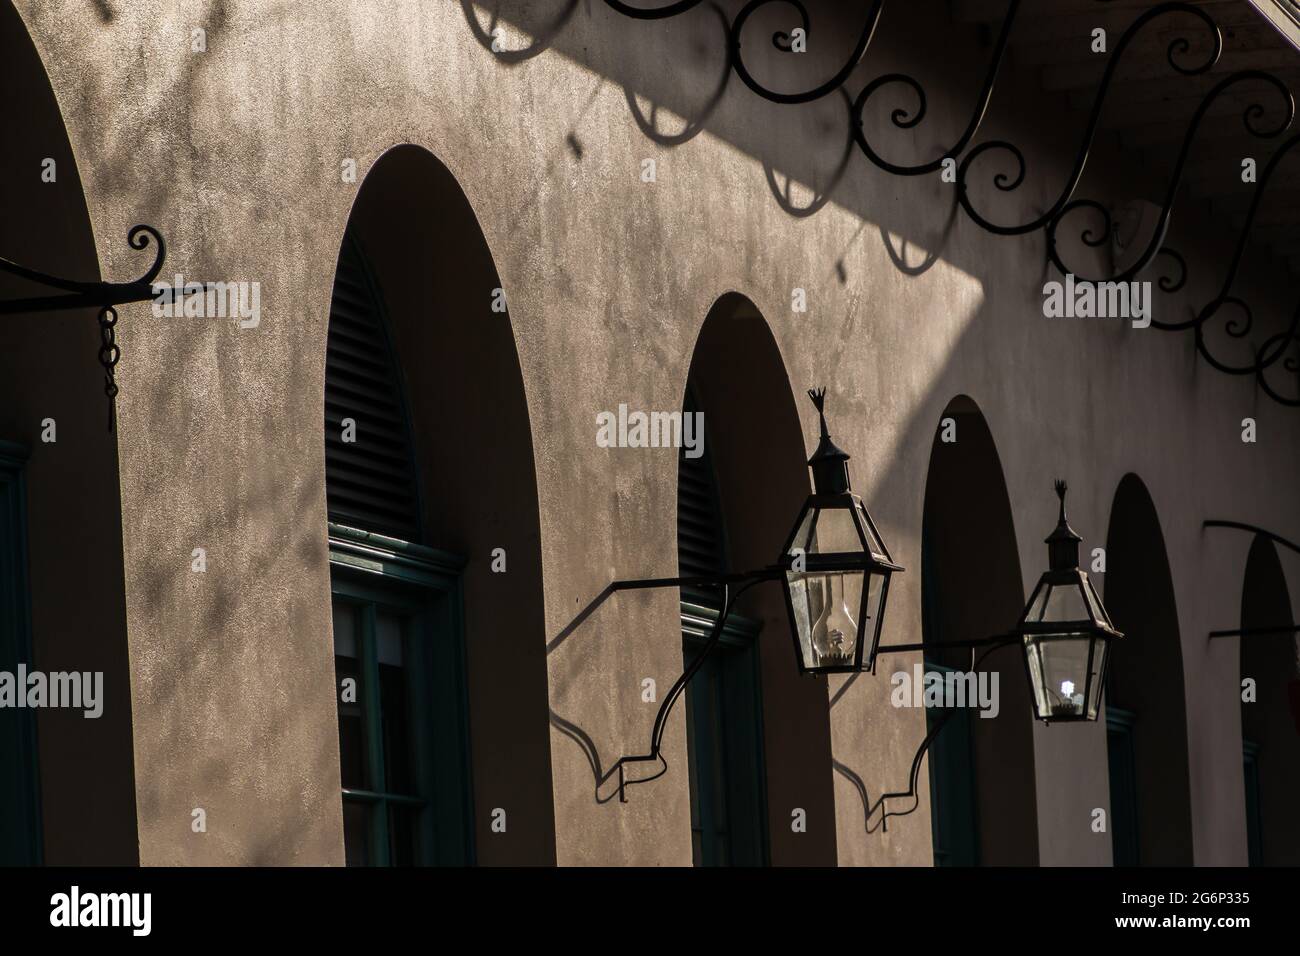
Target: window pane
x=393, y=699
x=347, y=673
x=345, y=628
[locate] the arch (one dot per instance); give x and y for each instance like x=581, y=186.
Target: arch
x=456, y=373
x=756, y=448
x=71, y=508
x=1270, y=730
x=983, y=794
x=1146, y=710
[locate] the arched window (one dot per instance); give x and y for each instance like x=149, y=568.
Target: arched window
x=735, y=502
x=396, y=604
x=1270, y=736
x=1146, y=712
x=724, y=709
x=983, y=795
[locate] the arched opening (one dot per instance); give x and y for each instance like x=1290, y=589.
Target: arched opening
x=435, y=544
x=751, y=718
x=60, y=507
x=1270, y=728
x=1146, y=713
x=982, y=788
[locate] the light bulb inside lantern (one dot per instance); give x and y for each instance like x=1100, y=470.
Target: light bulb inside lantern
x=835, y=633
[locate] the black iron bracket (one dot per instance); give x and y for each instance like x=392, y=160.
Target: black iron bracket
x=989, y=644
x=725, y=584
x=1276, y=539
x=101, y=295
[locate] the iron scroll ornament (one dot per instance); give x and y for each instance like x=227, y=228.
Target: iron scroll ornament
x=1177, y=51
x=104, y=296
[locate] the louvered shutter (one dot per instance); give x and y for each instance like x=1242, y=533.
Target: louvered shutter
x=369, y=483
x=700, y=547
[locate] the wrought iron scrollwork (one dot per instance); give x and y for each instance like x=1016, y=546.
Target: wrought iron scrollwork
x=1273, y=354
x=1239, y=316
x=781, y=41
x=102, y=295
x=903, y=119
x=1004, y=183
x=1094, y=238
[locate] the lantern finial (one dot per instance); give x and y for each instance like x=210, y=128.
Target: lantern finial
x=818, y=396
x=1063, y=543
x=829, y=464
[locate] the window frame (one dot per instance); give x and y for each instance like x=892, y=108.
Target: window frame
x=372, y=570
x=1254, y=811
x=1121, y=754
x=737, y=645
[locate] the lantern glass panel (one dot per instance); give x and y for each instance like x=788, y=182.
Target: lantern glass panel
x=828, y=612
x=1059, y=602
x=1094, y=602
x=827, y=531
x=1064, y=685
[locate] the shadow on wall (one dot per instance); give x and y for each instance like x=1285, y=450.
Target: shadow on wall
x=1270, y=729
x=983, y=796
x=812, y=143
x=474, y=451
x=49, y=371
x=1146, y=709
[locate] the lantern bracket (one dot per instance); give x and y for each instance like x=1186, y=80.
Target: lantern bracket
x=101, y=295
x=726, y=583
x=990, y=644
x=1276, y=539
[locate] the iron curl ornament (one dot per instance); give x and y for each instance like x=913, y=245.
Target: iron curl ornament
x=1240, y=317
x=1003, y=182
x=906, y=120
x=104, y=296
x=1094, y=238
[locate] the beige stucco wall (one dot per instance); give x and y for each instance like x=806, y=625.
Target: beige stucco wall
x=235, y=154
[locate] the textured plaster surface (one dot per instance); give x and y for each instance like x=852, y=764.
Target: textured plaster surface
x=235, y=153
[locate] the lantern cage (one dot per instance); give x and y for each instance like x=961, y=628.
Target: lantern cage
x=837, y=574
x=836, y=567
x=1066, y=633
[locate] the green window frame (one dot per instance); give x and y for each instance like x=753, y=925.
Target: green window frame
x=1254, y=819
x=954, y=821
x=724, y=738
x=411, y=719
x=1122, y=759
x=724, y=709
x=20, y=804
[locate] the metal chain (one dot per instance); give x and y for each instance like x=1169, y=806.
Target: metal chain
x=109, y=354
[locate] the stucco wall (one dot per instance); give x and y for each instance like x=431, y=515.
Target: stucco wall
x=235, y=154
